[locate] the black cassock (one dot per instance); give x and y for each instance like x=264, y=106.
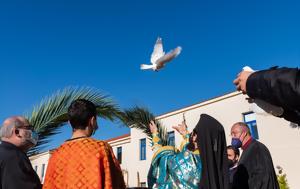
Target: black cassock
x=212, y=145
x=16, y=171
x=280, y=87
x=255, y=169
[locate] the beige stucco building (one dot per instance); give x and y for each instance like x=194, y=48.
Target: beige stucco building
x=135, y=153
x=39, y=163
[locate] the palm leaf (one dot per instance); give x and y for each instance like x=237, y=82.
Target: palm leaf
x=51, y=113
x=139, y=118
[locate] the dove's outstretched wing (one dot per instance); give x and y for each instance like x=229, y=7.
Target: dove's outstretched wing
x=168, y=57
x=157, y=51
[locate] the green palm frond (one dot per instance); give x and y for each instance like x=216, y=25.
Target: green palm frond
x=51, y=113
x=139, y=118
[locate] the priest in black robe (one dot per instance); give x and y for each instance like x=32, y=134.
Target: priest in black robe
x=213, y=152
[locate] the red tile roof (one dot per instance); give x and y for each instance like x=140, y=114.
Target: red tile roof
x=117, y=138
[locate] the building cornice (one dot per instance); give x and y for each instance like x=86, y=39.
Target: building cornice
x=200, y=104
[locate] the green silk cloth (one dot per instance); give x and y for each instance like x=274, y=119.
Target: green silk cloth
x=172, y=168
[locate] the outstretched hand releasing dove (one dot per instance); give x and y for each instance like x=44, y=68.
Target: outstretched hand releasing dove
x=159, y=58
x=262, y=107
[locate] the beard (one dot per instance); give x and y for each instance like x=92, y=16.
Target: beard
x=26, y=141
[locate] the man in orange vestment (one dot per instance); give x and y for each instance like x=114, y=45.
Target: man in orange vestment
x=83, y=162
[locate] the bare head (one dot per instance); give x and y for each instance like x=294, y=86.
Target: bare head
x=17, y=130
x=83, y=118
x=241, y=130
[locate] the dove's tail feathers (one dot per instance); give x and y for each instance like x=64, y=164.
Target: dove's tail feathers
x=145, y=66
x=177, y=50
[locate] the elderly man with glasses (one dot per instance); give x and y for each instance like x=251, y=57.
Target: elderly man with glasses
x=17, y=137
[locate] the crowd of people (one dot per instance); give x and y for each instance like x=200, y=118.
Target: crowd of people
x=203, y=161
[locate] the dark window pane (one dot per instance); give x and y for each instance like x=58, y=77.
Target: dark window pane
x=143, y=149
x=43, y=172
x=119, y=154
x=171, y=138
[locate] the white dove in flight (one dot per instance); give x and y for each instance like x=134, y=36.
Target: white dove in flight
x=159, y=58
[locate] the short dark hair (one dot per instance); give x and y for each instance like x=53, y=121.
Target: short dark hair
x=80, y=112
x=235, y=150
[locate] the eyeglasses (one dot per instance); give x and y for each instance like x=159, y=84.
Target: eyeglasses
x=27, y=127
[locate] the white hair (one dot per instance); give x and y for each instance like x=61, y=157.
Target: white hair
x=6, y=131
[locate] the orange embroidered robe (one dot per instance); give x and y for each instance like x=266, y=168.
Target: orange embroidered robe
x=83, y=163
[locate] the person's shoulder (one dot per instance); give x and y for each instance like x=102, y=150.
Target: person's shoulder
x=260, y=146
x=7, y=151
x=65, y=147
x=99, y=146
x=101, y=143
x=3, y=152
x=56, y=151
x=72, y=145
x=10, y=155
x=90, y=142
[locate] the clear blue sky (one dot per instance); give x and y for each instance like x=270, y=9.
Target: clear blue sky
x=48, y=45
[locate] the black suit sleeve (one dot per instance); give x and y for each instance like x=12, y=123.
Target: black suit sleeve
x=260, y=178
x=278, y=86
x=263, y=175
